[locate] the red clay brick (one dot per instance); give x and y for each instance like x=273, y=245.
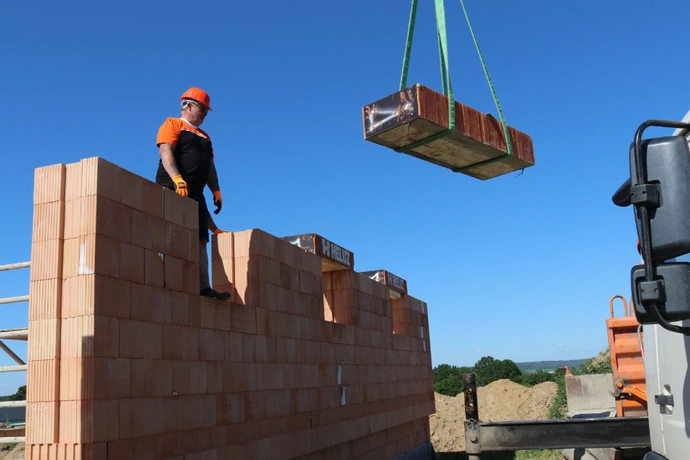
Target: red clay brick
x=180, y=342
x=46, y=260
x=154, y=268
x=179, y=308
x=190, y=275
x=100, y=177
x=44, y=299
x=131, y=263
x=212, y=345
x=48, y=221
x=141, y=339
x=160, y=305
x=49, y=184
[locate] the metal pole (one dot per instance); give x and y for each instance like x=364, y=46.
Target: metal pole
x=13, y=368
x=13, y=440
x=15, y=334
x=472, y=444
x=15, y=266
x=21, y=298
x=13, y=403
x=16, y=358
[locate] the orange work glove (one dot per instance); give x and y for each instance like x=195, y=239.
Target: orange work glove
x=218, y=231
x=180, y=186
x=218, y=201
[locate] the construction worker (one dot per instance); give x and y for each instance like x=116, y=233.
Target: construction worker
x=186, y=166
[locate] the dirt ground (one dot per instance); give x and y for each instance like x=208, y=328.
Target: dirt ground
x=14, y=453
x=498, y=401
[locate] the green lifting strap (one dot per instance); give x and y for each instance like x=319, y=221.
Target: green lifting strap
x=498, y=105
x=445, y=74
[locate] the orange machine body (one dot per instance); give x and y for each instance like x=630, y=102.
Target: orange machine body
x=627, y=362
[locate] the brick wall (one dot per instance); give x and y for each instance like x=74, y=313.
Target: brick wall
x=127, y=361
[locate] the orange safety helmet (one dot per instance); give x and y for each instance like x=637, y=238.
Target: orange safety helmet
x=198, y=95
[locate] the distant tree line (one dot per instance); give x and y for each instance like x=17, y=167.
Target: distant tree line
x=448, y=379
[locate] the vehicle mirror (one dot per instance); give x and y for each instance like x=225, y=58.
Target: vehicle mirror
x=674, y=305
x=667, y=164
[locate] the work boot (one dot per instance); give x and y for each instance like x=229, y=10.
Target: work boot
x=210, y=292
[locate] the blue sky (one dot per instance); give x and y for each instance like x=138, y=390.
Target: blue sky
x=519, y=267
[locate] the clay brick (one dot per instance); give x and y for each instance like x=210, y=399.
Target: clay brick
x=162, y=236
x=211, y=345
x=160, y=305
x=48, y=221
x=72, y=181
x=142, y=230
x=72, y=219
x=131, y=412
x=113, y=220
x=98, y=254
x=141, y=339
x=154, y=268
x=180, y=210
x=241, y=243
x=268, y=296
x=174, y=273
x=46, y=260
x=131, y=263
x=69, y=379
x=142, y=194
x=243, y=318
x=222, y=274
x=248, y=348
x=181, y=240
x=234, y=348
x=49, y=184
x=106, y=338
x=99, y=422
x=151, y=378
x=180, y=342
x=44, y=374
x=222, y=246
x=190, y=272
x=70, y=258
x=41, y=422
x=246, y=269
x=43, y=338
x=214, y=376
x=155, y=419
x=189, y=377
x=44, y=299
x=166, y=446
x=111, y=297
x=179, y=308
x=68, y=422
x=100, y=177
x=245, y=294
x=111, y=378
x=141, y=302
x=194, y=313
x=269, y=376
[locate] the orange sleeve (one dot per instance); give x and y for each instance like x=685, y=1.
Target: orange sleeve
x=169, y=132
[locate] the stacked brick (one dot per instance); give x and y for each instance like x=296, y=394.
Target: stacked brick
x=127, y=361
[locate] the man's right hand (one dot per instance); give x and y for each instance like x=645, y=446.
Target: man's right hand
x=180, y=186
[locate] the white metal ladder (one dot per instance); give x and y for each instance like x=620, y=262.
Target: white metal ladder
x=13, y=334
